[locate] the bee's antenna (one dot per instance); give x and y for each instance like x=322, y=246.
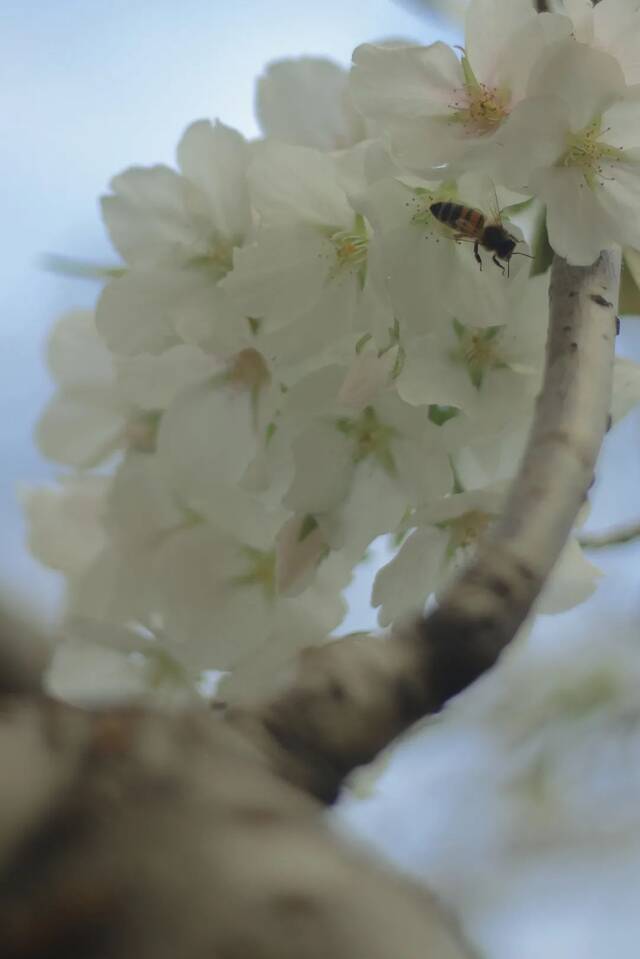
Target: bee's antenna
x=528, y=255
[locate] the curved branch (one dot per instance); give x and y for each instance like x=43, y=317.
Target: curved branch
x=352, y=697
x=617, y=536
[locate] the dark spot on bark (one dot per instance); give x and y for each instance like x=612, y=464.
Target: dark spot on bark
x=460, y=650
x=572, y=294
x=257, y=815
x=525, y=572
x=499, y=586
x=609, y=423
x=573, y=347
x=566, y=329
x=409, y=698
x=335, y=691
x=617, y=325
x=600, y=300
x=295, y=904
x=60, y=831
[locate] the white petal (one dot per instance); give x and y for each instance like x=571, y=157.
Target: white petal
x=82, y=428
x=626, y=387
x=586, y=79
x=405, y=81
x=299, y=549
x=305, y=102
x=152, y=382
x=572, y=580
x=489, y=28
x=578, y=228
x=620, y=121
x=135, y=314
x=75, y=353
x=428, y=376
x=208, y=432
x=408, y=260
x=324, y=465
x=615, y=19
x=296, y=184
x=147, y=217
x=582, y=15
x=84, y=673
x=211, y=622
x=114, y=588
x=215, y=158
x=424, y=471
x=523, y=48
x=140, y=502
x=488, y=500
x=532, y=136
x=375, y=504
x=404, y=585
x=65, y=522
x=280, y=276
x=619, y=198
x=139, y=312
x=367, y=376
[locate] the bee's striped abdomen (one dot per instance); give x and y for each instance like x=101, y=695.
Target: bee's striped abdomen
x=464, y=219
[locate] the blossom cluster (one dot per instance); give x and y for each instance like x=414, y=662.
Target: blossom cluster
x=297, y=356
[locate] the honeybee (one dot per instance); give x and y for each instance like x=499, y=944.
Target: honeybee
x=472, y=225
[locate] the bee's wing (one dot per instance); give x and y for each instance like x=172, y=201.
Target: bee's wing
x=495, y=212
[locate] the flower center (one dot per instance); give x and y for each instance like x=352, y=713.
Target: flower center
x=217, y=256
x=586, y=151
x=466, y=530
x=261, y=571
x=351, y=248
x=478, y=349
x=141, y=432
x=371, y=438
x=248, y=371
x=478, y=107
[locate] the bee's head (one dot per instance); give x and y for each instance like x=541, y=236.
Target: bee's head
x=505, y=246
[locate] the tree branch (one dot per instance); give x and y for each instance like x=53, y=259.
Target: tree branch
x=352, y=697
x=611, y=537
x=127, y=834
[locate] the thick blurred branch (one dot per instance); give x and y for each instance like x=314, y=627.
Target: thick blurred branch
x=127, y=833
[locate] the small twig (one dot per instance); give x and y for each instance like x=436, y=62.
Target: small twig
x=611, y=537
x=79, y=269
x=352, y=697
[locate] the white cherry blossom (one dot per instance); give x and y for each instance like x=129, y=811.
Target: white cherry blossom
x=574, y=143
x=435, y=106
x=177, y=233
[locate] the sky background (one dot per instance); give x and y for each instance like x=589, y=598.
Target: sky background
x=88, y=88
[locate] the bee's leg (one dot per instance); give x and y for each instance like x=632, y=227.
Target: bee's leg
x=476, y=252
x=497, y=262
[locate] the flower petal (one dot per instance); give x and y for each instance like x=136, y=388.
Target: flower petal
x=404, y=585
x=215, y=158
x=306, y=102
